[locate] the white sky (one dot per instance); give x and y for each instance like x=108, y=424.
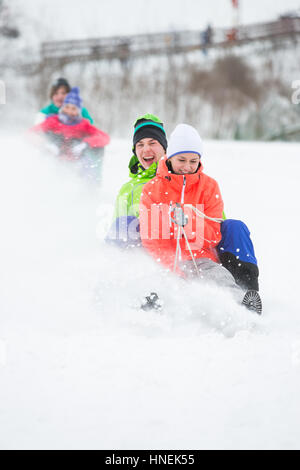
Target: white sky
x=56, y=19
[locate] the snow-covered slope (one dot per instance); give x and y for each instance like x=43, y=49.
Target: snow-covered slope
x=82, y=367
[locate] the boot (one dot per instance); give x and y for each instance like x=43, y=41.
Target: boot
x=252, y=301
x=151, y=302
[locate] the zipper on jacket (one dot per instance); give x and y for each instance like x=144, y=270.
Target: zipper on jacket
x=183, y=189
x=182, y=202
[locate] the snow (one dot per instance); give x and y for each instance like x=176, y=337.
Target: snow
x=82, y=367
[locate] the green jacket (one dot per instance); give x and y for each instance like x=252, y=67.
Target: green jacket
x=128, y=199
x=52, y=109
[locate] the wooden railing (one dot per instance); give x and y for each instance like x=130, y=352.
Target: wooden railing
x=124, y=47
x=57, y=53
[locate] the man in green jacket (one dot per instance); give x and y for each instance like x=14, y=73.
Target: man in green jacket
x=149, y=145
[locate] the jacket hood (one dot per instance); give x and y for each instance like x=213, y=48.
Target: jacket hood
x=136, y=169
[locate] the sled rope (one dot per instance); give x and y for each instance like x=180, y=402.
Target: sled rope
x=180, y=221
x=201, y=214
x=181, y=228
x=178, y=249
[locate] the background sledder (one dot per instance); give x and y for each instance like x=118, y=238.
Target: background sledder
x=72, y=137
x=59, y=90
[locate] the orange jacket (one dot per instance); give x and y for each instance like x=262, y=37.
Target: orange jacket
x=159, y=232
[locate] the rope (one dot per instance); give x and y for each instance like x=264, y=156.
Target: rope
x=180, y=223
x=201, y=214
x=180, y=219
x=187, y=242
x=178, y=249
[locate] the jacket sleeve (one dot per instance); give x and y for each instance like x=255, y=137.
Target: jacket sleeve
x=95, y=138
x=45, y=126
x=86, y=115
x=125, y=228
x=124, y=232
x=37, y=133
x=213, y=207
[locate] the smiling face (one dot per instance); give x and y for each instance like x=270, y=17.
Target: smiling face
x=59, y=96
x=185, y=163
x=70, y=110
x=148, y=151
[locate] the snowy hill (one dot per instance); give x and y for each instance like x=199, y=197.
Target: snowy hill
x=81, y=367
x=196, y=88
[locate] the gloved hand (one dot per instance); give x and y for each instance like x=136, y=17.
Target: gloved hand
x=52, y=148
x=79, y=149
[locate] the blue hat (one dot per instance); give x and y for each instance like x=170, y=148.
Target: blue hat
x=74, y=98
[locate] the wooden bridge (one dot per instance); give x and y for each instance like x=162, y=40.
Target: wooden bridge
x=181, y=42
x=124, y=48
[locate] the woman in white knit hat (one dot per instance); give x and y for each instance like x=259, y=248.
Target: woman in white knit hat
x=181, y=212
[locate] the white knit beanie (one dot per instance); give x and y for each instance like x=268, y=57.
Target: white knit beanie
x=184, y=139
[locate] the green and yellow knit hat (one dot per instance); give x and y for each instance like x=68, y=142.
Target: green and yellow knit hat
x=149, y=126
